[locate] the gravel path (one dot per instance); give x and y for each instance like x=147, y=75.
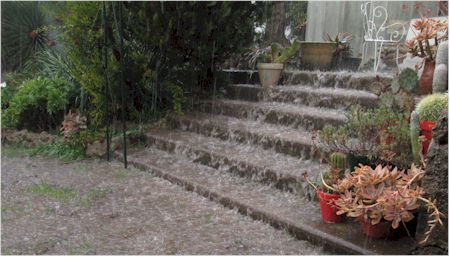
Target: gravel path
x=95, y=207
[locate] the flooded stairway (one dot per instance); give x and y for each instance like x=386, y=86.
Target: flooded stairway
x=249, y=149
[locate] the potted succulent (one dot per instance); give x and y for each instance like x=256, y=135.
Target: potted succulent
x=326, y=196
x=379, y=135
x=342, y=52
x=358, y=137
x=270, y=61
x=429, y=109
x=430, y=31
x=384, y=199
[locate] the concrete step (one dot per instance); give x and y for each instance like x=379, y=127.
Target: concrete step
x=286, y=140
x=280, y=209
x=292, y=115
x=267, y=166
x=333, y=98
x=244, y=92
x=346, y=80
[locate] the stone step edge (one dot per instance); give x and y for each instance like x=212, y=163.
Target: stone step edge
x=196, y=126
x=303, y=119
x=284, y=182
x=254, y=93
x=300, y=231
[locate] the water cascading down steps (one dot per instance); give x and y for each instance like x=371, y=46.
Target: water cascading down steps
x=248, y=151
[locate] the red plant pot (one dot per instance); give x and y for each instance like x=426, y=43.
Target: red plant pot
x=426, y=127
x=379, y=230
x=383, y=229
x=327, y=208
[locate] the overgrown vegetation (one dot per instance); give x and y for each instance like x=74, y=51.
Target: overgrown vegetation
x=172, y=54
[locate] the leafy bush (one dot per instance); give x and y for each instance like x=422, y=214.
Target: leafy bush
x=13, y=81
x=372, y=130
x=38, y=104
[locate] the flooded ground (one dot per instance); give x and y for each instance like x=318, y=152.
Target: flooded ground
x=95, y=207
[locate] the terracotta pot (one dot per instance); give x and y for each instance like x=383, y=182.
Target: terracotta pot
x=317, y=55
x=426, y=127
x=386, y=138
x=426, y=79
x=269, y=74
x=327, y=208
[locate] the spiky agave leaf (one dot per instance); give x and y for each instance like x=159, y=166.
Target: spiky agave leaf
x=20, y=36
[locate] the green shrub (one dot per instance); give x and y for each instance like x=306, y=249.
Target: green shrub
x=369, y=127
x=38, y=104
x=161, y=40
x=431, y=107
x=13, y=82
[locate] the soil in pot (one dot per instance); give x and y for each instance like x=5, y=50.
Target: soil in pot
x=426, y=127
x=328, y=209
x=355, y=160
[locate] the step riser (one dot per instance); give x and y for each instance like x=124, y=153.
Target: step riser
x=294, y=120
x=296, y=149
x=336, y=80
x=334, y=244
x=223, y=163
x=244, y=93
x=319, y=100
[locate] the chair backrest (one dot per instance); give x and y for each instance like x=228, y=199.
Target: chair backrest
x=375, y=25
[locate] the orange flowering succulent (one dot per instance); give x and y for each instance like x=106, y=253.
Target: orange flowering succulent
x=421, y=24
x=429, y=29
x=385, y=193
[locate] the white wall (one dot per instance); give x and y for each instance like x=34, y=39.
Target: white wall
x=333, y=17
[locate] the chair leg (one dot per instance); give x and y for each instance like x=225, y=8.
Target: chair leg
x=396, y=57
x=363, y=55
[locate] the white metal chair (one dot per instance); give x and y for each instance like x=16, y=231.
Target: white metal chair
x=377, y=33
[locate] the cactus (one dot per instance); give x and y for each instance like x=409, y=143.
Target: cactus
x=431, y=106
x=288, y=52
x=408, y=80
x=414, y=134
x=338, y=161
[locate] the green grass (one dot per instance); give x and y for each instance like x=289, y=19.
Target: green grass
x=64, y=194
x=93, y=196
x=82, y=168
x=65, y=151
x=17, y=150
x=10, y=212
x=123, y=174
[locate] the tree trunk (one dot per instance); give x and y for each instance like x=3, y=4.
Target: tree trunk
x=276, y=24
